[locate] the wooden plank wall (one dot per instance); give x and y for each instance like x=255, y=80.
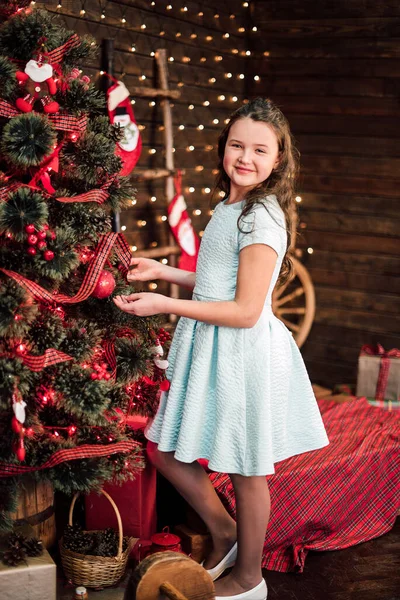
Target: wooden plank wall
x=333, y=68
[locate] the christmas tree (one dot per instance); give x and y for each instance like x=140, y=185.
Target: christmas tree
x=72, y=365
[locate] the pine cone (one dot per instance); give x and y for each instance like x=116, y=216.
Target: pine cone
x=16, y=540
x=33, y=547
x=13, y=556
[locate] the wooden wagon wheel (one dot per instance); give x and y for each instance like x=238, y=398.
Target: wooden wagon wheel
x=170, y=575
x=294, y=303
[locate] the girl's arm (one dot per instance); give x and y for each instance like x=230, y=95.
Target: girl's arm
x=146, y=269
x=256, y=266
x=172, y=275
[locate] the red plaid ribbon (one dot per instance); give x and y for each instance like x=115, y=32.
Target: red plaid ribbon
x=50, y=357
x=99, y=195
x=84, y=451
x=8, y=110
x=65, y=122
x=369, y=350
x=61, y=121
x=56, y=56
x=91, y=278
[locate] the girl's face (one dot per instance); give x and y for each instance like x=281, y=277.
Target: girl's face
x=251, y=153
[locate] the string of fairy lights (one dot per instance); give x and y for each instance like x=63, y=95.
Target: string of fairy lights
x=151, y=21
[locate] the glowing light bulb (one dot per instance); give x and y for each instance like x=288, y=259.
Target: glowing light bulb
x=218, y=58
x=143, y=26
x=103, y=16
x=310, y=250
x=255, y=29
x=248, y=53
x=152, y=151
x=164, y=261
x=197, y=212
x=133, y=248
x=169, y=7
x=133, y=48
x=215, y=121
x=171, y=59
x=221, y=97
x=142, y=77
x=199, y=168
x=228, y=75
x=123, y=228
x=153, y=286
x=266, y=53
x=164, y=218
x=226, y=35
x=256, y=78
x=241, y=76
x=191, y=190
x=190, y=148
x=212, y=80
x=133, y=202
x=234, y=98
x=241, y=30
x=123, y=20
x=235, y=51
x=206, y=190
x=191, y=106
x=82, y=12
x=152, y=103
x=153, y=199
x=186, y=59
x=201, y=127
x=209, y=38
x=184, y=9
x=181, y=127
x=298, y=198
x=206, y=103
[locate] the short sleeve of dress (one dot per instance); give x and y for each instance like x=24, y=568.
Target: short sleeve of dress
x=265, y=224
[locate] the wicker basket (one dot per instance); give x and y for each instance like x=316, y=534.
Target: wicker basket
x=95, y=571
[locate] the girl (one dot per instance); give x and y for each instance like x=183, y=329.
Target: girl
x=240, y=395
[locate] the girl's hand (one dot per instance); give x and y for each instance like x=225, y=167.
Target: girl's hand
x=145, y=269
x=143, y=304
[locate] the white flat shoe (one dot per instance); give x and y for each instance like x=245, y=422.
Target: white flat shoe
x=259, y=592
x=228, y=561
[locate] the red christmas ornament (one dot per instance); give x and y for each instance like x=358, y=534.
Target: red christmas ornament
x=20, y=349
x=15, y=425
x=20, y=452
x=105, y=285
x=42, y=245
x=165, y=385
x=31, y=250
x=42, y=235
x=48, y=255
x=30, y=228
x=32, y=239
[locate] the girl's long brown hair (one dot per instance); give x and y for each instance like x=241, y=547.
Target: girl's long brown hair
x=282, y=179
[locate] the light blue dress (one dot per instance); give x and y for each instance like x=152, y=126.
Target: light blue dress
x=239, y=397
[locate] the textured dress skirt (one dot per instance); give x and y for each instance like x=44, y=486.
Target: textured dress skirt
x=239, y=397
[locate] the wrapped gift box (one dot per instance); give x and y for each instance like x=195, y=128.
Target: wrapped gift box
x=34, y=579
x=136, y=501
x=378, y=376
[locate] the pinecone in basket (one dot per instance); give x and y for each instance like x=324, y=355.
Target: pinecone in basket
x=82, y=544
x=13, y=556
x=33, y=547
x=105, y=543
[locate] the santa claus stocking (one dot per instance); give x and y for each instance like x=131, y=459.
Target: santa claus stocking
x=182, y=228
x=121, y=113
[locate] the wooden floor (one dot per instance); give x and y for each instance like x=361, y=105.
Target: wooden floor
x=369, y=571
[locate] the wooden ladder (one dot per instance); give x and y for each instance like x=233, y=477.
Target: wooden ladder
x=165, y=95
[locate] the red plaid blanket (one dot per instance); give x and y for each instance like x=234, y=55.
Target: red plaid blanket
x=336, y=497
